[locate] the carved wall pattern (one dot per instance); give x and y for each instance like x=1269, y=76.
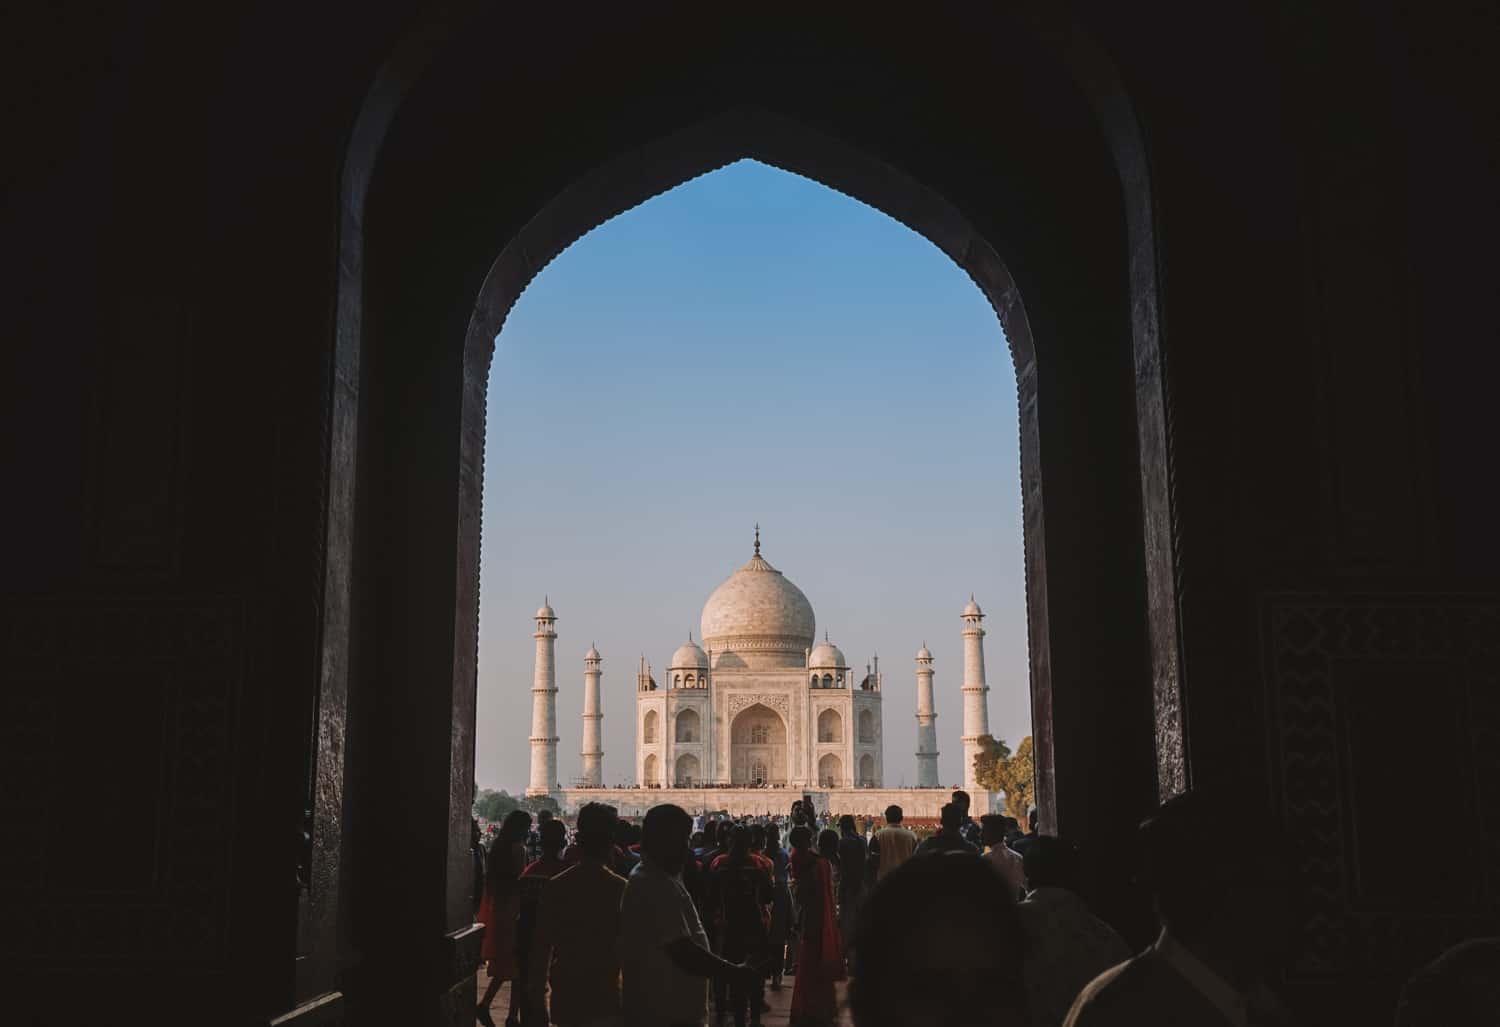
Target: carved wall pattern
x=180, y=662
x=736, y=704
x=1319, y=655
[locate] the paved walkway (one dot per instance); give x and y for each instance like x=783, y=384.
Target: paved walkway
x=778, y=1016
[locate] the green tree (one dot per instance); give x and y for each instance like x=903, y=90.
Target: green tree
x=987, y=761
x=999, y=771
x=534, y=804
x=492, y=805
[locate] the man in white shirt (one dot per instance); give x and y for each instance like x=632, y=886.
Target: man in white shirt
x=664, y=954
x=1066, y=945
x=1222, y=905
x=892, y=844
x=992, y=832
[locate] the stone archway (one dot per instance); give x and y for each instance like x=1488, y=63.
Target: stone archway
x=688, y=771
x=758, y=751
x=867, y=770
x=649, y=774
x=687, y=727
x=830, y=771
x=830, y=726
x=1077, y=212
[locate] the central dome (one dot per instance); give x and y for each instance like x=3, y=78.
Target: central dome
x=760, y=615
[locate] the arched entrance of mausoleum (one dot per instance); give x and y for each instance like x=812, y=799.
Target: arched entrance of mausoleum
x=757, y=747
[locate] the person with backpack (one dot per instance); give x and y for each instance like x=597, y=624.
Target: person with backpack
x=742, y=888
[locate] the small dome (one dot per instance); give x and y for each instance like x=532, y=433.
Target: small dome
x=689, y=657
x=544, y=612
x=826, y=654
x=924, y=653
x=592, y=654
x=973, y=610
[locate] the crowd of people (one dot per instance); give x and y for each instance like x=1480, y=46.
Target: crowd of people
x=679, y=920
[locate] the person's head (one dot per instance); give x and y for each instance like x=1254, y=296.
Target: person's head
x=958, y=968
x=893, y=814
x=543, y=817
x=992, y=829
x=1210, y=887
x=595, y=830
x=828, y=843
x=757, y=838
x=739, y=844
x=800, y=838
x=623, y=833
x=515, y=827
x=664, y=837
x=1031, y=820
x=1051, y=862
x=962, y=801
x=696, y=841
x=1461, y=988
x=1012, y=826
x=554, y=837
x=723, y=833
x=846, y=825
x=950, y=817
x=799, y=813
x=773, y=836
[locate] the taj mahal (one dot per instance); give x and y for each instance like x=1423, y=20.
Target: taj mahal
x=757, y=703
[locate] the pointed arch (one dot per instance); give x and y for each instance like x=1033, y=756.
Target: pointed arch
x=830, y=726
x=830, y=771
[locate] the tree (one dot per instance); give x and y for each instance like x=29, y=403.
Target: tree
x=492, y=806
x=987, y=761
x=998, y=770
x=534, y=804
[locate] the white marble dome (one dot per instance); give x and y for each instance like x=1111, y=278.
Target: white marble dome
x=826, y=654
x=758, y=611
x=689, y=657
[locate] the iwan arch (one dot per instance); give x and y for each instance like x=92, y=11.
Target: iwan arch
x=1068, y=205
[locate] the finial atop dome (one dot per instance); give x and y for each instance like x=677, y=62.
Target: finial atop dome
x=757, y=538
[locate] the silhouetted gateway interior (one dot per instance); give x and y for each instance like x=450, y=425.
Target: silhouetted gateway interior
x=253, y=546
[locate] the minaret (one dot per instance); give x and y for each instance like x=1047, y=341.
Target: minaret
x=976, y=699
x=927, y=750
x=544, y=705
x=593, y=746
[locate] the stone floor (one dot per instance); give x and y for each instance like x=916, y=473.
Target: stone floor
x=778, y=1016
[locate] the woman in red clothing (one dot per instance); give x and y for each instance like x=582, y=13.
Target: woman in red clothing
x=499, y=910
x=554, y=837
x=820, y=962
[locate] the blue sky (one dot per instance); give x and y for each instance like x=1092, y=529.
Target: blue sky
x=750, y=346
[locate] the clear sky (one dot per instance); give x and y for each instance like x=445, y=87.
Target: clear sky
x=750, y=346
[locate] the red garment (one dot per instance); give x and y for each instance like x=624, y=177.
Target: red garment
x=498, y=913
x=820, y=960
x=755, y=858
x=573, y=855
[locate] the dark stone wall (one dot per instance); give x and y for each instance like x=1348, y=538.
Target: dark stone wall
x=227, y=601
